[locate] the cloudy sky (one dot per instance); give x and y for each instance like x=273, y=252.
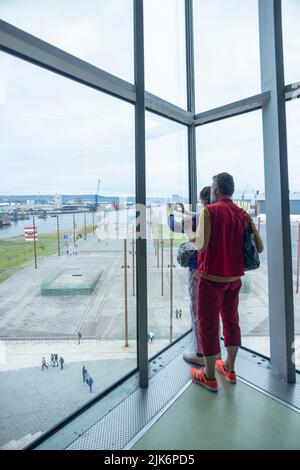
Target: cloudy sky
x=59, y=136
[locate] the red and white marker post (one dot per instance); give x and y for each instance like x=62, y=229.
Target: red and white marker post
x=31, y=234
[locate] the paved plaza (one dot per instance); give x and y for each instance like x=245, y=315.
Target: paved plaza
x=33, y=325
x=26, y=313
x=33, y=400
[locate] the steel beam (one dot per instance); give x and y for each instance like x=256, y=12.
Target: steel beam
x=140, y=182
x=292, y=91
x=32, y=49
x=246, y=105
x=36, y=51
x=280, y=281
x=190, y=79
x=272, y=101
x=168, y=110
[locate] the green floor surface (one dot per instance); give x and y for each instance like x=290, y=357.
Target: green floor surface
x=237, y=417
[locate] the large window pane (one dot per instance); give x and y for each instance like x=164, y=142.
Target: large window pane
x=100, y=32
x=165, y=69
x=236, y=147
x=57, y=139
x=293, y=119
x=227, y=66
x=291, y=20
x=167, y=184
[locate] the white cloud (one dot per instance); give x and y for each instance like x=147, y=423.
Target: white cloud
x=58, y=135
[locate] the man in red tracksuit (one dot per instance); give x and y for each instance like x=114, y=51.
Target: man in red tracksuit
x=220, y=240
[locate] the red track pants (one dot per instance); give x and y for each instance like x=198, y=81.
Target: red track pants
x=216, y=298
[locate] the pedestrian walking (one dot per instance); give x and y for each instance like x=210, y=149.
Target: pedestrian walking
x=52, y=360
x=151, y=336
x=79, y=337
x=180, y=313
x=90, y=383
x=84, y=373
x=44, y=363
x=61, y=361
x=55, y=360
x=176, y=313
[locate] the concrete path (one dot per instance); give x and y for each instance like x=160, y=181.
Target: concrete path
x=33, y=400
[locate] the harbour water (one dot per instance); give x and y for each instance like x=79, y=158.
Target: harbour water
x=47, y=225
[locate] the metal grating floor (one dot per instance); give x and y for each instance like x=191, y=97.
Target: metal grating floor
x=123, y=423
x=120, y=426
x=259, y=373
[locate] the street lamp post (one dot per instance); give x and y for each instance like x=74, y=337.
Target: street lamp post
x=171, y=266
x=133, y=262
x=57, y=228
x=125, y=267
x=298, y=260
x=34, y=242
x=74, y=234
x=162, y=260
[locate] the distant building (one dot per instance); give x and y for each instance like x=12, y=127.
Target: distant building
x=58, y=201
x=244, y=204
x=122, y=202
x=294, y=203
x=4, y=219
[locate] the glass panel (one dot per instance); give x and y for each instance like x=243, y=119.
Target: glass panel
x=235, y=146
x=84, y=29
x=57, y=139
x=291, y=19
x=227, y=64
x=293, y=118
x=165, y=58
x=167, y=184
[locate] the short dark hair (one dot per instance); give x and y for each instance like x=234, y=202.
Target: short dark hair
x=225, y=183
x=205, y=195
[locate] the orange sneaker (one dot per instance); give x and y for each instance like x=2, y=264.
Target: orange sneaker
x=199, y=377
x=229, y=376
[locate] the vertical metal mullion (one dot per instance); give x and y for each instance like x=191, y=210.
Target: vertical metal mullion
x=280, y=279
x=190, y=75
x=140, y=182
